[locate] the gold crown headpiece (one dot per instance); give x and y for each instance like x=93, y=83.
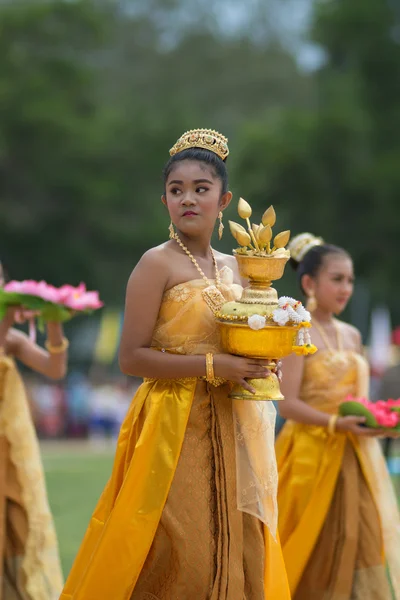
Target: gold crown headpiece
x=208, y=139
x=302, y=243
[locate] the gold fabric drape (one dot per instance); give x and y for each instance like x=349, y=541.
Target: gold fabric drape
x=30, y=567
x=167, y=524
x=335, y=496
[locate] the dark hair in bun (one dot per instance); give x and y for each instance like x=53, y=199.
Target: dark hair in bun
x=314, y=259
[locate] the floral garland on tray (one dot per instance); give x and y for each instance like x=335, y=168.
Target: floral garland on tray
x=290, y=312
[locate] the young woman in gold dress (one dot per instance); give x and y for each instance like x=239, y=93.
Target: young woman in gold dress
x=167, y=525
x=338, y=516
x=29, y=567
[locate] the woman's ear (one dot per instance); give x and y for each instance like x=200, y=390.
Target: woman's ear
x=225, y=200
x=308, y=285
x=164, y=200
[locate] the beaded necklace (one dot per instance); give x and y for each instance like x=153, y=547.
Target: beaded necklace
x=175, y=237
x=211, y=294
x=324, y=335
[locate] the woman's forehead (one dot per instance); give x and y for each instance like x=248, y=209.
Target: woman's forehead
x=191, y=170
x=337, y=264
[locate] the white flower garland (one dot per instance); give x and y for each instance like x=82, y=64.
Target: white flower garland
x=290, y=311
x=256, y=322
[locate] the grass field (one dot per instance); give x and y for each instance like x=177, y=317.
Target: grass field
x=76, y=474
x=75, y=478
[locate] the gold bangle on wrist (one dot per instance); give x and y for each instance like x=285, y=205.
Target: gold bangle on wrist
x=57, y=349
x=332, y=424
x=209, y=367
x=210, y=375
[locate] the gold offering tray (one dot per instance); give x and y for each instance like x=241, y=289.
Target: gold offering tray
x=261, y=259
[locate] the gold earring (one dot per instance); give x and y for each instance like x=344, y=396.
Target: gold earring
x=221, y=225
x=311, y=302
x=171, y=231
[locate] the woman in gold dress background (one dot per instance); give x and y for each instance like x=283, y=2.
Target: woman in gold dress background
x=167, y=525
x=338, y=516
x=30, y=567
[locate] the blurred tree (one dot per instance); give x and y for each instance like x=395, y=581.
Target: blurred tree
x=49, y=135
x=92, y=96
x=334, y=170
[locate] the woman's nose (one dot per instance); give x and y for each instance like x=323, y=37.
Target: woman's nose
x=188, y=199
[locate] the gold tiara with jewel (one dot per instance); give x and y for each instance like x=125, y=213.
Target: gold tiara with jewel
x=208, y=139
x=302, y=243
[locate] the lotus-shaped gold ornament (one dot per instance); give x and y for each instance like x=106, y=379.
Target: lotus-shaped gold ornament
x=247, y=326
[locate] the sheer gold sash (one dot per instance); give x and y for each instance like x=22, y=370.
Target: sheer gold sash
x=382, y=489
x=41, y=560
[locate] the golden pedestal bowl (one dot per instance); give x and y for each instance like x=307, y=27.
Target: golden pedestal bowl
x=261, y=270
x=248, y=326
x=272, y=343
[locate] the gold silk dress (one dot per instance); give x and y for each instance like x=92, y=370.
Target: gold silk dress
x=30, y=567
x=338, y=517
x=167, y=526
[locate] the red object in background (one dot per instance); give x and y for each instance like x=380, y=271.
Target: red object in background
x=52, y=412
x=396, y=336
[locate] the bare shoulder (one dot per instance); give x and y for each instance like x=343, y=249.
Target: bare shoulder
x=227, y=260
x=156, y=257
x=157, y=268
x=152, y=264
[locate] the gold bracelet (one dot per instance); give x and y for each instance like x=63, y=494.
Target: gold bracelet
x=57, y=349
x=210, y=375
x=209, y=367
x=332, y=424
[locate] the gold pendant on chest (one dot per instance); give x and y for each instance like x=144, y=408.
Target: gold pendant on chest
x=213, y=298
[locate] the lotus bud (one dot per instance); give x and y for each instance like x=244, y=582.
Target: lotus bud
x=244, y=209
x=243, y=238
x=236, y=228
x=282, y=239
x=255, y=229
x=269, y=217
x=265, y=235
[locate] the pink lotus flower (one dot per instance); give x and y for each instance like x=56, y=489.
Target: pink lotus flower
x=67, y=296
x=78, y=298
x=386, y=418
x=393, y=403
x=40, y=289
x=382, y=410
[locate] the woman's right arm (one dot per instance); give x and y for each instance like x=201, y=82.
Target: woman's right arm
x=144, y=294
x=292, y=407
x=295, y=409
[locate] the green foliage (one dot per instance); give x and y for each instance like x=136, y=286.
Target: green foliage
x=93, y=95
x=334, y=170
x=75, y=479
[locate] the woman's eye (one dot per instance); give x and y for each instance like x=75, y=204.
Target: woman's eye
x=200, y=190
x=175, y=191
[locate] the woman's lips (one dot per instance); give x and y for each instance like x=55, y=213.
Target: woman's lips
x=189, y=213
